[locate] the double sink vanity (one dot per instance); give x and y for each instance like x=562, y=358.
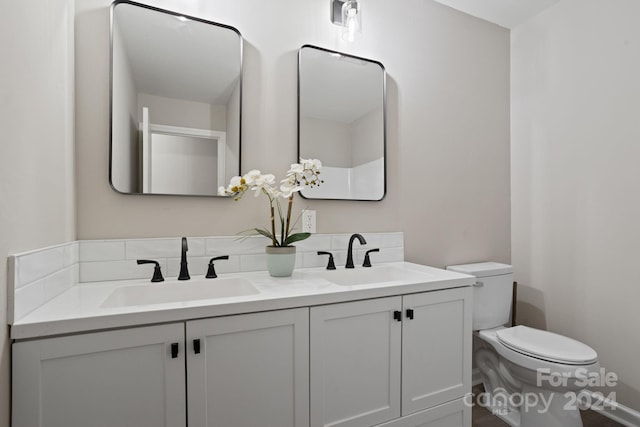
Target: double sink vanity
x=388, y=345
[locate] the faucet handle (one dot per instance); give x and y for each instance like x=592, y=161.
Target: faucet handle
x=331, y=265
x=157, y=274
x=211, y=271
x=367, y=260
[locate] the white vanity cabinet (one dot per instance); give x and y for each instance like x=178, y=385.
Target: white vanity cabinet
x=385, y=359
x=249, y=370
x=126, y=378
x=394, y=360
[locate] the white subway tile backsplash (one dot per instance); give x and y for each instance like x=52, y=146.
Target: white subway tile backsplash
x=37, y=265
x=101, y=250
x=373, y=241
x=215, y=246
x=162, y=248
x=392, y=240
x=340, y=257
x=11, y=288
x=152, y=248
x=198, y=266
x=99, y=271
x=39, y=276
x=317, y=242
x=196, y=247
x=28, y=298
x=36, y=277
x=253, y=262
x=71, y=254
x=340, y=241
x=58, y=282
x=76, y=273
x=312, y=259
x=384, y=255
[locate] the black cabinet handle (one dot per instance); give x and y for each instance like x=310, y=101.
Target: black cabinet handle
x=196, y=346
x=410, y=313
x=174, y=350
x=397, y=315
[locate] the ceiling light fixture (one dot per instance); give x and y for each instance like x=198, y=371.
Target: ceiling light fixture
x=347, y=14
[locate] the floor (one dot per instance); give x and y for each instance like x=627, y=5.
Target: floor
x=483, y=417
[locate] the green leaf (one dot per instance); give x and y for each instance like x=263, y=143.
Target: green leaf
x=255, y=232
x=264, y=232
x=296, y=238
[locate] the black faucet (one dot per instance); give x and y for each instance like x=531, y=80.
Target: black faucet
x=331, y=265
x=184, y=271
x=367, y=260
x=211, y=272
x=157, y=274
x=350, y=251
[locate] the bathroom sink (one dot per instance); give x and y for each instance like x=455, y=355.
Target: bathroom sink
x=179, y=291
x=374, y=275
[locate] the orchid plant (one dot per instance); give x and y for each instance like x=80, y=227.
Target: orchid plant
x=306, y=173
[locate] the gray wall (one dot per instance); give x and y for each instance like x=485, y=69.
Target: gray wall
x=448, y=128
x=36, y=148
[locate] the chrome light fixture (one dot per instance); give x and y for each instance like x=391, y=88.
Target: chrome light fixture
x=348, y=14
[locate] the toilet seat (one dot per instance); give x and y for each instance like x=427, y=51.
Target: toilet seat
x=546, y=346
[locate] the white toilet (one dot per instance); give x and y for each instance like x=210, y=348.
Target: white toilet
x=532, y=378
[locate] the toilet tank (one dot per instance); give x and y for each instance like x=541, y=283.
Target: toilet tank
x=492, y=293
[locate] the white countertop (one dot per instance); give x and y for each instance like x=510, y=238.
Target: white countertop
x=80, y=309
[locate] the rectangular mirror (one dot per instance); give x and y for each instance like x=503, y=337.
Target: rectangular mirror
x=342, y=122
x=176, y=102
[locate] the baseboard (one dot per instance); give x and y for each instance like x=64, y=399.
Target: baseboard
x=616, y=411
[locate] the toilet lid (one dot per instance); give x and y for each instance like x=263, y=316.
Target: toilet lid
x=547, y=346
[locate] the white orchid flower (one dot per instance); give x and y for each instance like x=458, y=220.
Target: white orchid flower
x=263, y=184
x=296, y=168
x=313, y=165
x=287, y=189
x=306, y=172
x=251, y=176
x=236, y=181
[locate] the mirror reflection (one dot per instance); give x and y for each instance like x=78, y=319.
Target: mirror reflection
x=341, y=121
x=176, y=90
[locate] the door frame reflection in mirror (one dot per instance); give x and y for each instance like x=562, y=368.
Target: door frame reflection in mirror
x=381, y=186
x=195, y=133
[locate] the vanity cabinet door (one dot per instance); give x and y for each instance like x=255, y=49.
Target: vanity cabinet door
x=355, y=363
x=127, y=378
x=436, y=348
x=249, y=370
x=456, y=413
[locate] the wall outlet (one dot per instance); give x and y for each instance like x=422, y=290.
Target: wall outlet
x=308, y=221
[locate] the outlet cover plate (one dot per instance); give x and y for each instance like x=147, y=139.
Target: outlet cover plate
x=308, y=221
